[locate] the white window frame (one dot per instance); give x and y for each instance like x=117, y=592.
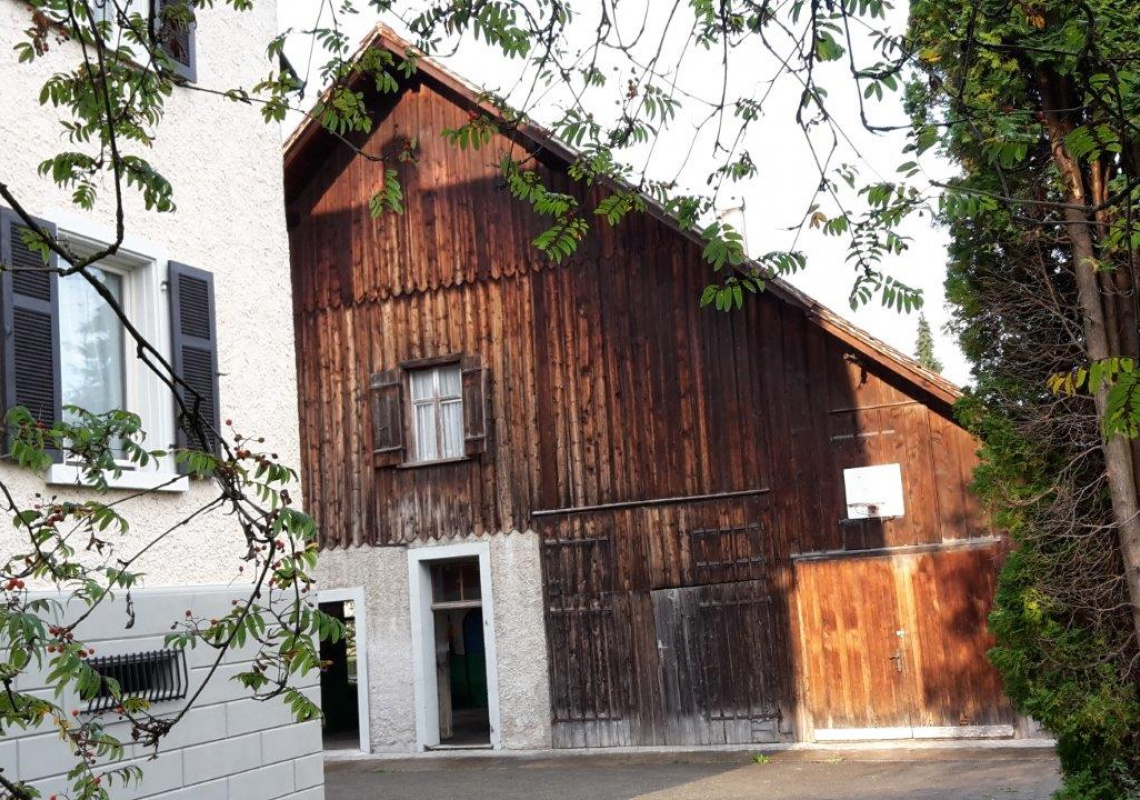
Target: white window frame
x=144, y=267
x=437, y=402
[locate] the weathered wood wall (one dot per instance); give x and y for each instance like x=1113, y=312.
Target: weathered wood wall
x=721, y=438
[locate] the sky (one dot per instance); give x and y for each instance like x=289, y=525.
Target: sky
x=767, y=207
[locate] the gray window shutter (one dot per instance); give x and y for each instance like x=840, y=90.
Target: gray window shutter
x=178, y=41
x=194, y=345
x=475, y=405
x=29, y=310
x=387, y=407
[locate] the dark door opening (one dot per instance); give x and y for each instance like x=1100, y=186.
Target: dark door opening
x=339, y=696
x=461, y=661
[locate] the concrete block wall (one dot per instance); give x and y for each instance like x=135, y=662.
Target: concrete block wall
x=230, y=746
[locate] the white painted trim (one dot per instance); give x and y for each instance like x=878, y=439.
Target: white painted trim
x=134, y=479
x=363, y=707
x=862, y=734
x=965, y=732
x=929, y=732
x=423, y=637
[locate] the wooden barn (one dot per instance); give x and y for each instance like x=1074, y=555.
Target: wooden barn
x=568, y=507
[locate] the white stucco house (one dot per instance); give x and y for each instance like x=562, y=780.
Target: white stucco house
x=209, y=285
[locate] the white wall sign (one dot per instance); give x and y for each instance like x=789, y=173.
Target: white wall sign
x=874, y=492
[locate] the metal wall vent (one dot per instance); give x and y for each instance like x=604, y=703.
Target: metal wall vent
x=157, y=676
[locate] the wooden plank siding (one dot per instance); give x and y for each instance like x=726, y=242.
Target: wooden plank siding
x=709, y=447
x=892, y=640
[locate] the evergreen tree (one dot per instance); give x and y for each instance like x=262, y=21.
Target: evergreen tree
x=1041, y=117
x=924, y=347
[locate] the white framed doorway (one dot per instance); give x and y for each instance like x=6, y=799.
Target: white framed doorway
x=354, y=598
x=425, y=610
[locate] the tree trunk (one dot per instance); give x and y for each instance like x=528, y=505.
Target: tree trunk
x=1117, y=450
x=1119, y=472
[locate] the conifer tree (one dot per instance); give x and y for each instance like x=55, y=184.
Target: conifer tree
x=924, y=347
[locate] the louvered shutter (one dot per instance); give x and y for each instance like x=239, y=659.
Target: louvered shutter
x=387, y=407
x=475, y=409
x=179, y=41
x=194, y=342
x=29, y=308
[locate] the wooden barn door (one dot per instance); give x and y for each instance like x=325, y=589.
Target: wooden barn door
x=853, y=659
x=894, y=646
x=956, y=691
x=717, y=667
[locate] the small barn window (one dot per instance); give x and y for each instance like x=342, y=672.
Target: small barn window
x=437, y=412
x=874, y=492
x=429, y=411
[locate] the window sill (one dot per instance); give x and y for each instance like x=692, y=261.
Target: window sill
x=436, y=463
x=139, y=480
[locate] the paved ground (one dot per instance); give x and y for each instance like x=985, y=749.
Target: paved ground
x=794, y=775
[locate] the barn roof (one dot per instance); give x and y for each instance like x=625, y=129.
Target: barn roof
x=309, y=142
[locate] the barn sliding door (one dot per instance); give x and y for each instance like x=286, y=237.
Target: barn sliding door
x=948, y=596
x=894, y=646
x=853, y=659
x=717, y=668
x=690, y=665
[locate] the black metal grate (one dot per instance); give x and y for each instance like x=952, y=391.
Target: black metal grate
x=157, y=676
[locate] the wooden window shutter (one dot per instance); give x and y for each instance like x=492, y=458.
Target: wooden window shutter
x=194, y=346
x=177, y=40
x=476, y=417
x=29, y=309
x=387, y=407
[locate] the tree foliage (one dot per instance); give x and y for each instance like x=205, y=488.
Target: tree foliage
x=1065, y=650
x=1036, y=102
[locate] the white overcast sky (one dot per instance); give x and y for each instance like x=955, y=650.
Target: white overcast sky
x=773, y=201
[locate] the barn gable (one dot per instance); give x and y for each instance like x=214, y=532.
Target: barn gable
x=690, y=479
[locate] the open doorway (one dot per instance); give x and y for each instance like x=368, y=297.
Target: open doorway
x=344, y=683
x=453, y=646
x=460, y=653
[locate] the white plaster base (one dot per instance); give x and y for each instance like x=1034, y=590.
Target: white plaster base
x=519, y=631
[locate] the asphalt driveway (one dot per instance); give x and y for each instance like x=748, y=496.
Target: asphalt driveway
x=795, y=775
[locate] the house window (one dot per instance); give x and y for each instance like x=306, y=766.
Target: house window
x=91, y=344
x=66, y=346
x=173, y=22
x=176, y=32
x=437, y=412
x=104, y=11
